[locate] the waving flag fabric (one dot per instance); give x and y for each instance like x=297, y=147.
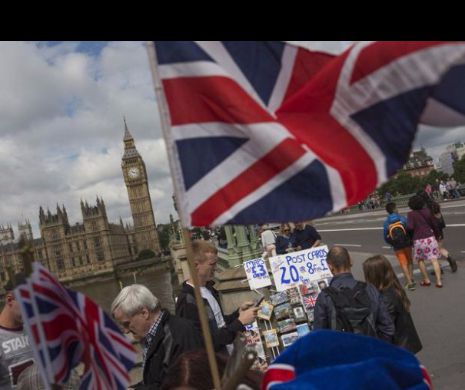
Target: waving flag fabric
x=66, y=328
x=269, y=132
x=331, y=360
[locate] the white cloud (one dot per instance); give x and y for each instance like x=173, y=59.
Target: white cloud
x=61, y=128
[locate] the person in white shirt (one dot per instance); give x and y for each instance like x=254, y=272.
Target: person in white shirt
x=224, y=328
x=268, y=241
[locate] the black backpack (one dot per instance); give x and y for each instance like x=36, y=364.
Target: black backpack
x=397, y=235
x=353, y=312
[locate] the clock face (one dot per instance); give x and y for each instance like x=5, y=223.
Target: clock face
x=133, y=172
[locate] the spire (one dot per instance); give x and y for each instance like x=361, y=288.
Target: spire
x=130, y=150
x=127, y=134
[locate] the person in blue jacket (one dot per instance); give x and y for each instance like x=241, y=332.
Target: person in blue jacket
x=395, y=233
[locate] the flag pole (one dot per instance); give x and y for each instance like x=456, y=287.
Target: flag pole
x=164, y=118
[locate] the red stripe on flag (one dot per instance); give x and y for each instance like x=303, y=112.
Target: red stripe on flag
x=306, y=116
x=306, y=65
x=53, y=329
x=380, y=54
x=270, y=165
x=278, y=374
x=211, y=99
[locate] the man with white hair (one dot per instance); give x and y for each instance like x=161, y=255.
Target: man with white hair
x=163, y=337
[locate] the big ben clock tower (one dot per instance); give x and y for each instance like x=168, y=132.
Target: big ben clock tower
x=135, y=177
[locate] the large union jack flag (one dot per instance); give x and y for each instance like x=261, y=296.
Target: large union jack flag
x=66, y=328
x=270, y=132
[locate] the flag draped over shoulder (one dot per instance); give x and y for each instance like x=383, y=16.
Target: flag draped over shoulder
x=271, y=132
x=66, y=328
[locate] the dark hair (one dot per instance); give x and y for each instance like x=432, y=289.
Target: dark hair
x=192, y=371
x=435, y=208
x=416, y=202
x=390, y=207
x=18, y=278
x=338, y=257
x=379, y=272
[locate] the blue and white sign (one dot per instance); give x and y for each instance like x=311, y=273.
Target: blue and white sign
x=257, y=273
x=300, y=267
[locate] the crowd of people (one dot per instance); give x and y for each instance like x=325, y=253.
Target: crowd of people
x=173, y=349
x=290, y=238
x=418, y=238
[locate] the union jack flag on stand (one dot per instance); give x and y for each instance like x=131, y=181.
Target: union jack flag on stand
x=272, y=132
x=66, y=328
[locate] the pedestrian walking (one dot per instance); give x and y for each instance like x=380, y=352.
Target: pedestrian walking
x=425, y=246
x=379, y=272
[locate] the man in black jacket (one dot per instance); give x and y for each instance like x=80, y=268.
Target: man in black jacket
x=223, y=328
x=162, y=336
x=340, y=265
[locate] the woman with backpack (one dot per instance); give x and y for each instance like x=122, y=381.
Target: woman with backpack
x=379, y=272
x=425, y=246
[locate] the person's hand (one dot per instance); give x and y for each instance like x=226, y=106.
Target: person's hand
x=248, y=316
x=246, y=305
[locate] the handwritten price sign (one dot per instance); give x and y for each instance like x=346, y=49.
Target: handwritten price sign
x=295, y=268
x=257, y=274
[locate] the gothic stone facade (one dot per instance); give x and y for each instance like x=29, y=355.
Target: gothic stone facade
x=95, y=245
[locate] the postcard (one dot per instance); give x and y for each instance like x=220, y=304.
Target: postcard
x=299, y=314
x=288, y=338
x=265, y=311
x=271, y=338
x=302, y=329
x=282, y=311
x=278, y=298
x=286, y=325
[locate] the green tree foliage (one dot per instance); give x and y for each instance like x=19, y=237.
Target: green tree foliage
x=164, y=236
x=459, y=170
x=401, y=184
x=145, y=254
x=404, y=184
x=434, y=175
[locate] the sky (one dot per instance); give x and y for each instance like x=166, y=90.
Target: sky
x=61, y=128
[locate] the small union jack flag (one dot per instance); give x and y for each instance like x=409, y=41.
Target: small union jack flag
x=309, y=301
x=270, y=132
x=66, y=328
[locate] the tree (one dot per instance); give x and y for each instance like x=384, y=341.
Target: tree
x=164, y=236
x=433, y=176
x=401, y=184
x=459, y=170
x=145, y=254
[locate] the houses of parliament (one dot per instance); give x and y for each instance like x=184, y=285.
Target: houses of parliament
x=95, y=245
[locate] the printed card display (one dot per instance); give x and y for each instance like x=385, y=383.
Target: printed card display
x=288, y=338
x=257, y=273
x=265, y=310
x=302, y=329
x=293, y=295
x=286, y=325
x=282, y=311
x=302, y=267
x=322, y=284
x=271, y=338
x=253, y=341
x=278, y=298
x=310, y=315
x=299, y=314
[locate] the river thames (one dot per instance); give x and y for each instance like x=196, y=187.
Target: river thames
x=157, y=280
